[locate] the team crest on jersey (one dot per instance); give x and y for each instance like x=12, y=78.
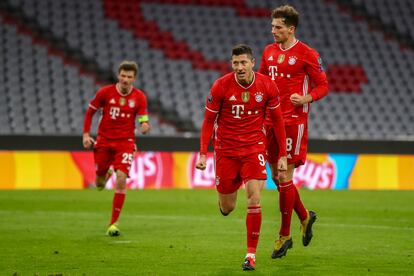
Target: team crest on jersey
x=258, y=96
x=131, y=103
x=292, y=60
x=210, y=98
x=245, y=96
x=280, y=58
x=122, y=101
x=320, y=64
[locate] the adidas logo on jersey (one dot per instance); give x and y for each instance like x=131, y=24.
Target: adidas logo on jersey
x=112, y=101
x=232, y=98
x=270, y=58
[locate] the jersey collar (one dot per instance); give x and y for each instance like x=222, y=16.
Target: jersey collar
x=254, y=78
x=119, y=92
x=287, y=49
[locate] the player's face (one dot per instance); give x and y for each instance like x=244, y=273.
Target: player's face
x=243, y=67
x=281, y=32
x=126, y=79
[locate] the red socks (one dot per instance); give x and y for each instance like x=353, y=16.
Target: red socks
x=287, y=195
x=299, y=208
x=253, y=224
x=117, y=204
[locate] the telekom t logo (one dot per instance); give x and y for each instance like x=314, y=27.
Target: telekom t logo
x=114, y=112
x=272, y=71
x=237, y=109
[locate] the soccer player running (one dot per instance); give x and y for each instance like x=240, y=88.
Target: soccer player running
x=120, y=105
x=294, y=67
x=235, y=110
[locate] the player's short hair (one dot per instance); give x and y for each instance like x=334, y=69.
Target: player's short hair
x=289, y=14
x=128, y=65
x=242, y=49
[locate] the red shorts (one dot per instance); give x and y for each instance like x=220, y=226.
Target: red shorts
x=118, y=153
x=296, y=144
x=233, y=171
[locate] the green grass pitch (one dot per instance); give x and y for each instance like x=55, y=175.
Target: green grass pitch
x=181, y=232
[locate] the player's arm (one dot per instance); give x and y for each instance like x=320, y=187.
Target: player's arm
x=278, y=126
x=87, y=140
x=213, y=105
x=279, y=129
x=144, y=124
x=205, y=137
x=314, y=69
x=143, y=117
x=94, y=105
x=263, y=66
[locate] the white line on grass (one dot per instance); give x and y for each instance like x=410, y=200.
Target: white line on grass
x=121, y=242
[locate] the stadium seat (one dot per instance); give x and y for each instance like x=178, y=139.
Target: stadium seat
x=182, y=49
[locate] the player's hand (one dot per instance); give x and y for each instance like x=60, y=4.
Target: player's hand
x=87, y=141
x=282, y=167
x=201, y=162
x=296, y=99
x=145, y=128
x=299, y=100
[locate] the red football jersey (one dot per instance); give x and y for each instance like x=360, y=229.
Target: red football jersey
x=241, y=112
x=294, y=70
x=119, y=111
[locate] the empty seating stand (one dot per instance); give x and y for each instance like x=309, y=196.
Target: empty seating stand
x=182, y=48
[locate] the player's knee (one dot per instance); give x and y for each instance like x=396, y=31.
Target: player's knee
x=283, y=179
x=253, y=199
x=226, y=209
x=224, y=213
x=100, y=180
x=120, y=179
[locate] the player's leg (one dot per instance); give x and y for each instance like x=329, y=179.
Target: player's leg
x=103, y=159
x=227, y=202
x=272, y=152
x=253, y=172
x=253, y=221
x=122, y=163
x=299, y=150
x=228, y=182
x=119, y=195
x=286, y=203
x=307, y=218
x=286, y=193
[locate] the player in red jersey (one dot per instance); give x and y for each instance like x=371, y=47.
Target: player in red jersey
x=235, y=110
x=297, y=70
x=120, y=104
